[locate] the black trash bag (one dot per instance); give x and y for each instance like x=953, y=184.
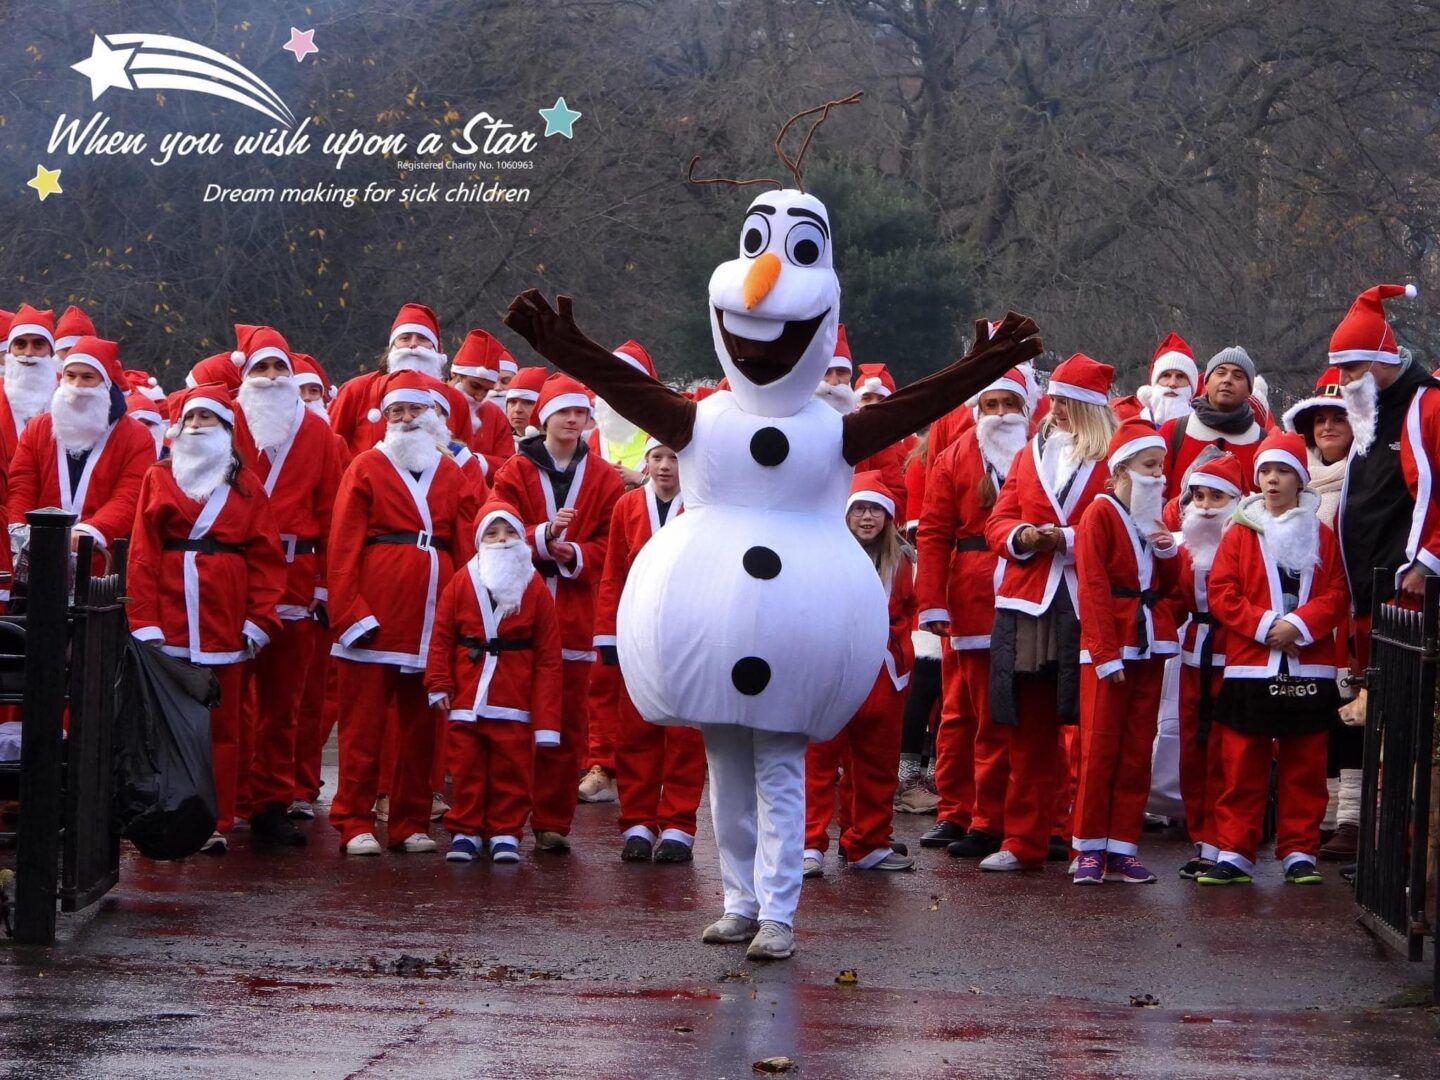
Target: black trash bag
x=165, y=781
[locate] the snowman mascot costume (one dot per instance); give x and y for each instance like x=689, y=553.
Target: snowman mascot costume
x=755, y=615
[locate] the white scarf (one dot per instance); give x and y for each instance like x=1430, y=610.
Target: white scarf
x=505, y=570
x=1201, y=530
x=200, y=459
x=1362, y=403
x=1327, y=481
x=421, y=359
x=1000, y=439
x=81, y=414
x=30, y=384
x=269, y=407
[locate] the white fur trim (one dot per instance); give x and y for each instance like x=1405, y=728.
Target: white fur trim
x=225, y=412
x=31, y=328
x=415, y=328
x=403, y=396
x=872, y=497
x=1133, y=447
x=90, y=362
x=873, y=385
x=563, y=401
x=67, y=342
x=1076, y=393
x=502, y=515
x=522, y=395
x=1281, y=457
x=1200, y=478
x=1356, y=356
x=474, y=372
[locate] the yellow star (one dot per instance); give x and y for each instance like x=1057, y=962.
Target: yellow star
x=46, y=182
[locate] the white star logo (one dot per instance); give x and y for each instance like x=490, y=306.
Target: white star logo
x=106, y=68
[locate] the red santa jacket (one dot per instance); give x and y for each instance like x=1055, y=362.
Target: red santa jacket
x=203, y=577
x=1111, y=557
x=473, y=466
x=1419, y=452
x=392, y=587
x=492, y=440
x=915, y=476
x=634, y=520
x=900, y=649
x=1246, y=598
x=1028, y=580
x=300, y=478
x=526, y=484
x=10, y=430
x=1182, y=451
x=947, y=429
x=521, y=680
x=104, y=500
x=958, y=571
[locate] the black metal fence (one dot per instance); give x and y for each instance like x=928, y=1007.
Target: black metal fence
x=1391, y=882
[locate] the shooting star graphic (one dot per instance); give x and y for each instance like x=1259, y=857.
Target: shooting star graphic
x=162, y=62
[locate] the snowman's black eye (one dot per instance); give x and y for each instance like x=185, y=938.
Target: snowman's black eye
x=804, y=244
x=755, y=235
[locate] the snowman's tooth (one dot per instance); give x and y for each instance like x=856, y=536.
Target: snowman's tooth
x=751, y=328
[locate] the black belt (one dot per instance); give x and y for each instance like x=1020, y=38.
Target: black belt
x=1202, y=618
x=494, y=646
x=1148, y=599
x=423, y=540
x=971, y=543
x=206, y=545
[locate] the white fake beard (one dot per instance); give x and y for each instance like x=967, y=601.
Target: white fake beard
x=157, y=432
x=1057, y=460
x=497, y=396
x=839, y=397
x=30, y=386
x=1001, y=438
x=413, y=444
x=1293, y=537
x=1362, y=402
x=317, y=406
x=426, y=361
x=81, y=414
x=269, y=406
x=505, y=570
x=200, y=459
x=1201, y=530
x=1168, y=404
x=612, y=425
x=1147, y=503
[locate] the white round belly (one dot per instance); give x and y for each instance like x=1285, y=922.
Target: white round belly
x=770, y=619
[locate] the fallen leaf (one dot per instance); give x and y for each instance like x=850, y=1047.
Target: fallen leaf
x=848, y=977
x=774, y=1065
x=738, y=975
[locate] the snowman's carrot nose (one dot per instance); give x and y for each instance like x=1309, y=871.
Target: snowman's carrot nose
x=761, y=278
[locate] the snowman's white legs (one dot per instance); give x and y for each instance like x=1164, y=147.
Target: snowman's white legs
x=757, y=803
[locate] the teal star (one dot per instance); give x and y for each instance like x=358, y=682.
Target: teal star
x=559, y=119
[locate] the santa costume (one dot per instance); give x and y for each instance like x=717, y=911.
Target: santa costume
x=31, y=375
x=206, y=570
x=479, y=357
x=494, y=666
x=401, y=524
x=1206, y=431
x=1158, y=404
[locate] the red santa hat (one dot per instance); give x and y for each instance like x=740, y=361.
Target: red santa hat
x=101, y=355
x=560, y=392
x=1364, y=334
x=527, y=384
x=217, y=397
x=507, y=362
x=308, y=372
x=218, y=368
x=1130, y=438
x=1283, y=448
x=869, y=486
x=256, y=343
x=634, y=354
x=140, y=407
x=404, y=388
x=478, y=357
x=1223, y=473
x=1082, y=379
x=416, y=319
x=5, y=317
x=1015, y=381
x=29, y=320
x=142, y=382
x=1327, y=395
x=72, y=325
x=452, y=402
x=842, y=356
x=1173, y=354
x=874, y=379
x=497, y=510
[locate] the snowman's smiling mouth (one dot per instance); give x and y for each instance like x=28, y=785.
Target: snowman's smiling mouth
x=763, y=362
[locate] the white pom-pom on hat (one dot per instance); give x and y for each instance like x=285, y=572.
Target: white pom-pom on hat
x=237, y=357
x=373, y=416
x=173, y=431
x=1411, y=291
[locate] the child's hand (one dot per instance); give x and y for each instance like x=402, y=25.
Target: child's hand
x=941, y=629
x=562, y=521
x=442, y=703
x=1283, y=636
x=562, y=552
x=1162, y=541
x=1117, y=676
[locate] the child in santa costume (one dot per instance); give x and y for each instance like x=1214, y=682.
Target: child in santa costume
x=1207, y=508
x=206, y=569
x=1124, y=560
x=659, y=771
x=1278, y=588
x=401, y=524
x=1035, y=642
x=955, y=586
x=494, y=672
x=564, y=494
x=867, y=748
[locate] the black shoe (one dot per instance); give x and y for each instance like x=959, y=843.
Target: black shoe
x=1303, y=873
x=1057, y=850
x=1223, y=873
x=672, y=851
x=1194, y=868
x=899, y=848
x=942, y=834
x=636, y=849
x=974, y=845
x=273, y=826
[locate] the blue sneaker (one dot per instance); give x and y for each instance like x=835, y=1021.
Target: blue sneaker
x=1089, y=868
x=504, y=851
x=462, y=849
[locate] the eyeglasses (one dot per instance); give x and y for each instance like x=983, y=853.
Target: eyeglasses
x=861, y=510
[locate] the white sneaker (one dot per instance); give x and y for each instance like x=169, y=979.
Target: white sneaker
x=301, y=810
x=216, y=845
x=1001, y=860
x=364, y=844
x=417, y=844
x=775, y=941
x=598, y=786
x=813, y=868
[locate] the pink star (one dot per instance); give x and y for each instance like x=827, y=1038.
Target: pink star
x=301, y=43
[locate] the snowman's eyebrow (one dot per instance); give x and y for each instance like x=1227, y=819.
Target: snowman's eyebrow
x=797, y=211
x=762, y=209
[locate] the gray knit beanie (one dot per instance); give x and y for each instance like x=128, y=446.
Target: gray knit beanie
x=1233, y=354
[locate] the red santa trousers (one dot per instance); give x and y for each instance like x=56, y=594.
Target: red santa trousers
x=964, y=706
x=659, y=773
x=557, y=768
x=868, y=749
x=319, y=709
x=225, y=741
x=605, y=721
x=1117, y=741
x=279, y=674
x=491, y=764
x=1239, y=807
x=1200, y=774
x=368, y=693
x=1039, y=768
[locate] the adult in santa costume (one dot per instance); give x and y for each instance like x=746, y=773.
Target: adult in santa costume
x=755, y=614
x=868, y=747
x=1124, y=563
x=659, y=771
x=206, y=570
x=1278, y=588
x=296, y=459
x=1035, y=642
x=474, y=372
x=31, y=373
x=1222, y=419
x=494, y=672
x=1173, y=381
x=401, y=524
x=565, y=496
x=314, y=385
x=955, y=586
x=520, y=399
